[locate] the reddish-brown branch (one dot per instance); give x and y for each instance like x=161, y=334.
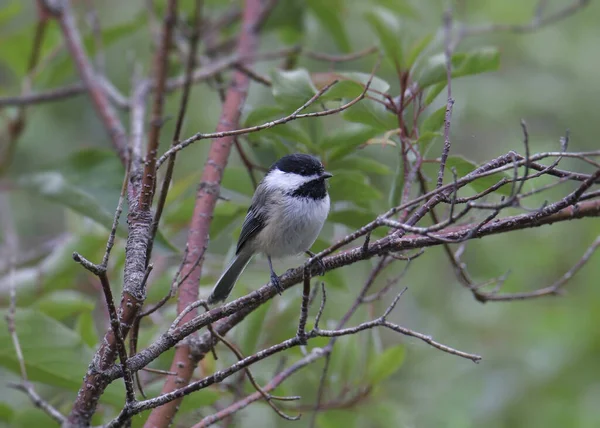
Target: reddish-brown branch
x=63, y=13
x=206, y=199
x=190, y=64
x=16, y=126
x=161, y=62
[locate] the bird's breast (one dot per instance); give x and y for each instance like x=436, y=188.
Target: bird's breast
x=293, y=226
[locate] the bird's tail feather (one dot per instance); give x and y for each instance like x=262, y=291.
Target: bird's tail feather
x=229, y=277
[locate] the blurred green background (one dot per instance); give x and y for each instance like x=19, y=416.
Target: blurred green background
x=540, y=358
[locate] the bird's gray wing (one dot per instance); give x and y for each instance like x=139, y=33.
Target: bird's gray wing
x=255, y=219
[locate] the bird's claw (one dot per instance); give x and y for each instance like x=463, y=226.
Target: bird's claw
x=276, y=283
x=321, y=267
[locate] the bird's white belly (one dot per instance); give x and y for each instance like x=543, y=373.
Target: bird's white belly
x=294, y=227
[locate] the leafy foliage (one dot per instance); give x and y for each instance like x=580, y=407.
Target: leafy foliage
x=60, y=317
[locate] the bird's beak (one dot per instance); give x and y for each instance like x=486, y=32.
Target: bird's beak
x=326, y=175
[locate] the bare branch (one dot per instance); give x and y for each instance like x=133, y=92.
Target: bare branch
x=450, y=101
x=190, y=64
x=39, y=402
x=551, y=290
x=63, y=13
x=295, y=115
x=535, y=24
x=205, y=203
x=12, y=243
x=161, y=62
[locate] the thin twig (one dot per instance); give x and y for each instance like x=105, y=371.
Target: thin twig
x=554, y=289
x=268, y=397
x=301, y=332
x=161, y=63
x=39, y=402
x=63, y=13
x=295, y=115
x=12, y=244
x=450, y=101
x=190, y=64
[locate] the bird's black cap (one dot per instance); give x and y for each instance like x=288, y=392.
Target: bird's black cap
x=299, y=163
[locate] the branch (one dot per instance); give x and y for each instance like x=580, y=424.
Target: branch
x=61, y=10
x=190, y=64
x=205, y=203
x=315, y=354
x=16, y=125
x=295, y=115
x=535, y=24
x=39, y=402
x=219, y=376
x=551, y=290
x=12, y=243
x=135, y=270
x=450, y=101
x=161, y=62
x=388, y=244
x=383, y=322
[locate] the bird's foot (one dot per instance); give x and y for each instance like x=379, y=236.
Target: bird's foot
x=320, y=265
x=276, y=283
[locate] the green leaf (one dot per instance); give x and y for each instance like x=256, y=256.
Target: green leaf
x=399, y=7
x=62, y=304
x=77, y=187
x=329, y=15
x=434, y=121
x=82, y=168
x=372, y=113
x=386, y=364
x=417, y=48
x=476, y=61
x=337, y=419
x=263, y=114
x=364, y=164
x=287, y=18
x=427, y=137
x=335, y=279
x=31, y=417
x=86, y=329
x=53, y=354
x=354, y=219
x=14, y=43
x=237, y=180
x=290, y=131
x=6, y=412
x=433, y=92
x=343, y=140
x=9, y=11
x=225, y=214
x=63, y=67
x=292, y=88
x=350, y=84
x=181, y=187
x=254, y=325
x=53, y=186
x=464, y=166
x=347, y=186
x=386, y=27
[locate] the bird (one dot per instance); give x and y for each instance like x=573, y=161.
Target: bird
x=286, y=215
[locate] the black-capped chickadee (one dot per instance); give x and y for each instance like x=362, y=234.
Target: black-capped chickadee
x=288, y=210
